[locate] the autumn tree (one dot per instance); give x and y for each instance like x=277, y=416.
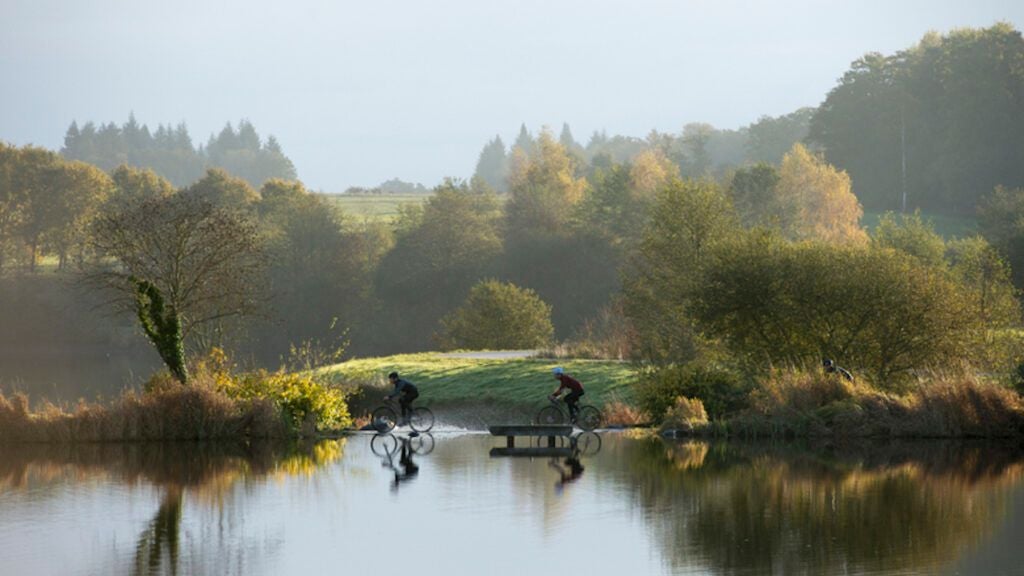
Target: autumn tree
x=223, y=190
x=12, y=201
x=544, y=189
x=76, y=191
x=816, y=200
x=135, y=184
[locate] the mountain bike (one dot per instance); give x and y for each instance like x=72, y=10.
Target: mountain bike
x=587, y=418
x=386, y=417
x=386, y=445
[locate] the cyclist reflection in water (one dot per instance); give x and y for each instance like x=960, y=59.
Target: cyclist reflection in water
x=571, y=472
x=409, y=468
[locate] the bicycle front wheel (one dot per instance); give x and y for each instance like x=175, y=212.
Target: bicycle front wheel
x=422, y=444
x=422, y=419
x=550, y=416
x=587, y=443
x=588, y=418
x=384, y=419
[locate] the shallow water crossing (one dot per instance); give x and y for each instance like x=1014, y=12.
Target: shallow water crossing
x=441, y=505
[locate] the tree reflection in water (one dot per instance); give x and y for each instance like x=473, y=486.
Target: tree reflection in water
x=805, y=509
x=206, y=471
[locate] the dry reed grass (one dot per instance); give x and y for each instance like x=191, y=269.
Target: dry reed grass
x=194, y=412
x=811, y=403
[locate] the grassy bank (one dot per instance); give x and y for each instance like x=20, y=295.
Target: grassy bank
x=811, y=404
x=509, y=385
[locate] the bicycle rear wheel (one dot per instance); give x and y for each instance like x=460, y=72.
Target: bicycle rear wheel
x=383, y=444
x=550, y=416
x=384, y=419
x=588, y=418
x=422, y=419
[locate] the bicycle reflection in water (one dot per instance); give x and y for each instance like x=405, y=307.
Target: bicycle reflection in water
x=585, y=444
x=387, y=446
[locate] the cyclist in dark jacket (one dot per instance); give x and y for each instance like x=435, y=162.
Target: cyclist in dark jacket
x=832, y=368
x=408, y=392
x=575, y=391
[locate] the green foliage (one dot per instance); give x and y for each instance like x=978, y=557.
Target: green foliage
x=771, y=138
x=952, y=100
x=319, y=269
x=162, y=326
x=688, y=220
x=912, y=235
x=722, y=391
x=754, y=193
x=880, y=311
x=441, y=250
x=499, y=316
x=1001, y=220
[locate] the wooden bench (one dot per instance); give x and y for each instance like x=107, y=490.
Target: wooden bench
x=549, y=451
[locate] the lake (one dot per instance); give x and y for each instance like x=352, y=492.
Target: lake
x=442, y=505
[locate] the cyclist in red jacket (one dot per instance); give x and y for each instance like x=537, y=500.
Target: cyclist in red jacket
x=575, y=391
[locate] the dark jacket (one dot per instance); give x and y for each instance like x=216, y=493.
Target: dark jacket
x=403, y=387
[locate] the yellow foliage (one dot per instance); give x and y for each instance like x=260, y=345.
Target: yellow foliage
x=818, y=199
x=650, y=172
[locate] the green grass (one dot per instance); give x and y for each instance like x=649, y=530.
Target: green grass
x=377, y=207
x=521, y=382
x=948, y=227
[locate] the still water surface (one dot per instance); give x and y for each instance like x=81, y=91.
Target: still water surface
x=638, y=506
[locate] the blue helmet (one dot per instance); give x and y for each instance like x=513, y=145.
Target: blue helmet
x=558, y=371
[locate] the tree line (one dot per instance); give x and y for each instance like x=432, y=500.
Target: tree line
x=169, y=151
x=659, y=246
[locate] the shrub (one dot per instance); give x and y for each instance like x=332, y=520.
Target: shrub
x=685, y=414
x=618, y=413
x=799, y=390
x=721, y=391
x=499, y=316
x=305, y=404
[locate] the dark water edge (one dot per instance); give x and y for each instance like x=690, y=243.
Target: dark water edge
x=641, y=504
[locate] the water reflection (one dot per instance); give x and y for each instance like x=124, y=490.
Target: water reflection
x=387, y=446
x=202, y=471
x=820, y=509
x=639, y=505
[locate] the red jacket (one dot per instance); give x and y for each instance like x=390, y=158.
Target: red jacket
x=569, y=382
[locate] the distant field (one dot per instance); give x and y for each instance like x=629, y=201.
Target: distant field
x=451, y=381
x=374, y=206
x=946, y=226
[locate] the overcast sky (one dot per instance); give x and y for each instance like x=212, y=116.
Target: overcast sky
x=360, y=92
